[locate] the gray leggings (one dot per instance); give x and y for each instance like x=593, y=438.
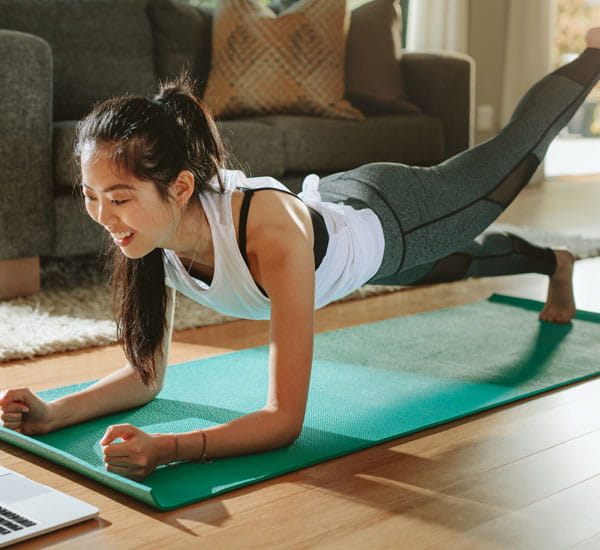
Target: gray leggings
x=434, y=218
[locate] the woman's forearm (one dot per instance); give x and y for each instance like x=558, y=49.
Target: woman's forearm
x=120, y=390
x=278, y=424
x=256, y=432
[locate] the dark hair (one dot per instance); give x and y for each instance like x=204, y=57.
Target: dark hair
x=153, y=140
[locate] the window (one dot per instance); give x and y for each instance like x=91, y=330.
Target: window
x=574, y=152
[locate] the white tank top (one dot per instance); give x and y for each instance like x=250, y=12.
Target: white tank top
x=353, y=256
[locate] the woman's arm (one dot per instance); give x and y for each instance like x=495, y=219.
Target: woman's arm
x=282, y=262
x=280, y=255
x=121, y=389
x=24, y=411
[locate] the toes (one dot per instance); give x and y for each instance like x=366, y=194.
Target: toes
x=592, y=37
x=561, y=318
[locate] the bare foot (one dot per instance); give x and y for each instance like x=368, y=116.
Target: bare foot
x=592, y=38
x=560, y=303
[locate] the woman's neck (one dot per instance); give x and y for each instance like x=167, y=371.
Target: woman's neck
x=194, y=239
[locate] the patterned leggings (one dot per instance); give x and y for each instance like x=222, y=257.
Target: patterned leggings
x=433, y=217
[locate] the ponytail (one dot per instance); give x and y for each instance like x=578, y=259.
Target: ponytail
x=202, y=136
x=140, y=304
x=152, y=140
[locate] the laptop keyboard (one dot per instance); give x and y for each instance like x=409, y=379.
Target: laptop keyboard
x=9, y=521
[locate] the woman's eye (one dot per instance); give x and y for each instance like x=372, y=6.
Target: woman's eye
x=118, y=202
x=89, y=198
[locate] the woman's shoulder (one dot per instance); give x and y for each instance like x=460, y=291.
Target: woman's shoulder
x=229, y=180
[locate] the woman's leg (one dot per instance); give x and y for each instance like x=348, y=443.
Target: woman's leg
x=495, y=254
x=430, y=213
x=492, y=254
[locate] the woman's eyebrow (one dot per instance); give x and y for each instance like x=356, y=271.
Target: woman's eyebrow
x=115, y=187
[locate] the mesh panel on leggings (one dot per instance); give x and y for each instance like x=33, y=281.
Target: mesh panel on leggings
x=450, y=268
x=523, y=257
x=545, y=256
x=504, y=193
x=579, y=69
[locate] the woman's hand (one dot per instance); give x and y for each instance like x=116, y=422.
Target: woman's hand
x=139, y=453
x=23, y=411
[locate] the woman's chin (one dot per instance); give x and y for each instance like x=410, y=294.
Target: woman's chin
x=134, y=254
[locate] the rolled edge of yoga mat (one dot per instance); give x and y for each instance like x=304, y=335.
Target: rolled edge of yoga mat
x=535, y=305
x=119, y=483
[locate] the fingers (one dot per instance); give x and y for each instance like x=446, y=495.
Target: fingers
x=131, y=471
x=119, y=454
x=15, y=408
x=123, y=431
x=129, y=457
x=9, y=418
x=116, y=449
x=18, y=395
x=11, y=414
x=126, y=469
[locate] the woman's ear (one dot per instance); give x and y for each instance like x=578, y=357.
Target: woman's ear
x=183, y=187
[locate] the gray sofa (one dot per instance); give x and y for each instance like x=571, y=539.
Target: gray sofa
x=60, y=57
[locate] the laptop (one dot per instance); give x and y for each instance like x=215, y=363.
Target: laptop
x=28, y=509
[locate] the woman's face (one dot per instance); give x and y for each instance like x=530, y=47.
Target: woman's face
x=131, y=210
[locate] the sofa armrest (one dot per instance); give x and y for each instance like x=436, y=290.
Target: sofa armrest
x=26, y=206
x=442, y=84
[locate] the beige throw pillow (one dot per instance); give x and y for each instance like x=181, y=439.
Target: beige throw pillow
x=287, y=64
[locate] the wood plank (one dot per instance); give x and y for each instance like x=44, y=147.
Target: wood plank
x=593, y=543
x=566, y=519
x=537, y=476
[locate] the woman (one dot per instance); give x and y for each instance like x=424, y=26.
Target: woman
x=152, y=177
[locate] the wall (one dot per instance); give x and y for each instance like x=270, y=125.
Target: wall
x=487, y=28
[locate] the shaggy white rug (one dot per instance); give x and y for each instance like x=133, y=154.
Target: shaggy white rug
x=73, y=309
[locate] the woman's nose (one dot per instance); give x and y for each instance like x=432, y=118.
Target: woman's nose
x=105, y=214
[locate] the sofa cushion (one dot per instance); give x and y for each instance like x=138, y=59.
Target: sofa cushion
x=292, y=63
x=100, y=49
x=253, y=146
x=374, y=80
x=182, y=36
x=76, y=233
x=329, y=145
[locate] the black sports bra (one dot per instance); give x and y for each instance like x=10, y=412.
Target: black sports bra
x=321, y=236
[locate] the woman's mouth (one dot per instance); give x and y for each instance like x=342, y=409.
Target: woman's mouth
x=122, y=239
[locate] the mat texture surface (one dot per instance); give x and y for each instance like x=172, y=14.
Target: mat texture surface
x=370, y=383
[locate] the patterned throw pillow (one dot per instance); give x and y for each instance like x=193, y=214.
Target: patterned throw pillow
x=267, y=64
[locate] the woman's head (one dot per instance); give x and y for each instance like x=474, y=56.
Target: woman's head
x=142, y=160
x=154, y=139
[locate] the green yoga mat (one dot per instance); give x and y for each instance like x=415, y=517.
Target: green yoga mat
x=370, y=383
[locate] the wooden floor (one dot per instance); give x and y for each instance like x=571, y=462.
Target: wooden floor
x=522, y=476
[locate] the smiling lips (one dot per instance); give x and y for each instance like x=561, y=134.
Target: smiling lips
x=122, y=239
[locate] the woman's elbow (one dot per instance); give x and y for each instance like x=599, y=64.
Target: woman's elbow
x=290, y=431
x=291, y=435
x=150, y=392
x=286, y=428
